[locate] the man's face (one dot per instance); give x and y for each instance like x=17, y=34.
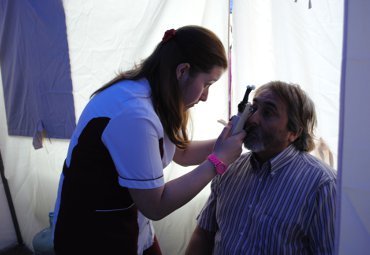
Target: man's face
x=267, y=131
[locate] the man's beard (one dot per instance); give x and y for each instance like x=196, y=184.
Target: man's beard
x=254, y=141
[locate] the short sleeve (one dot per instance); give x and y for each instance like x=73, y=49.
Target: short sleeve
x=133, y=143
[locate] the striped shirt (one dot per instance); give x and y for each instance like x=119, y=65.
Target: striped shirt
x=285, y=206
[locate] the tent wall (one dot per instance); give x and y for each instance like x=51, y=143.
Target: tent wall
x=7, y=231
x=354, y=155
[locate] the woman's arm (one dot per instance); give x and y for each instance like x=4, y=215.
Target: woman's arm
x=159, y=202
x=195, y=153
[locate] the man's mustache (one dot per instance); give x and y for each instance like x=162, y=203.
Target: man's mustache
x=250, y=129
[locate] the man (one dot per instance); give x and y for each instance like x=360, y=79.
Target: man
x=277, y=198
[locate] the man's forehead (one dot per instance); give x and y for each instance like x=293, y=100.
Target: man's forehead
x=267, y=97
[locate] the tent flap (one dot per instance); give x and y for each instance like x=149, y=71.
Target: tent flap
x=35, y=69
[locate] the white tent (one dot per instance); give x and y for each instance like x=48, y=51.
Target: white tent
x=280, y=39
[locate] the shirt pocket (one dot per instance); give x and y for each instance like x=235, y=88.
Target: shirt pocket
x=284, y=229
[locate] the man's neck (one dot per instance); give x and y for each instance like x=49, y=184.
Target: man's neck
x=264, y=156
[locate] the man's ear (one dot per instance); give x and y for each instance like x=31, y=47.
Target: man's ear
x=294, y=135
x=182, y=70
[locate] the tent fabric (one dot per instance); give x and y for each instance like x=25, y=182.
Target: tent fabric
x=7, y=230
x=35, y=70
x=353, y=221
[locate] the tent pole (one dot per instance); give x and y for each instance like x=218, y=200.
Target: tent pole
x=229, y=46
x=10, y=202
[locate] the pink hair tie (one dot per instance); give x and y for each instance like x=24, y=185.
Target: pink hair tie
x=168, y=35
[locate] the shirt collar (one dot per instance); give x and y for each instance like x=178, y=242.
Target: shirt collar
x=278, y=162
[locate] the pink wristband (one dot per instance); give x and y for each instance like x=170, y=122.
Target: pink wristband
x=218, y=164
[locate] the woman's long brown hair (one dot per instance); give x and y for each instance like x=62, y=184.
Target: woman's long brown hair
x=194, y=45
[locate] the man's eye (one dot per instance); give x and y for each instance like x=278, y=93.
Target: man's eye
x=267, y=113
x=252, y=109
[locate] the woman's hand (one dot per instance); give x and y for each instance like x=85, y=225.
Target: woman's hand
x=229, y=147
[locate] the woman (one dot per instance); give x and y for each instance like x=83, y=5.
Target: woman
x=132, y=128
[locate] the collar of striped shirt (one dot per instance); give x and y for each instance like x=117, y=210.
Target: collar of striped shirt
x=276, y=163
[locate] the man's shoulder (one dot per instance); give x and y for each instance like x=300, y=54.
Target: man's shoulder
x=317, y=166
x=240, y=164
